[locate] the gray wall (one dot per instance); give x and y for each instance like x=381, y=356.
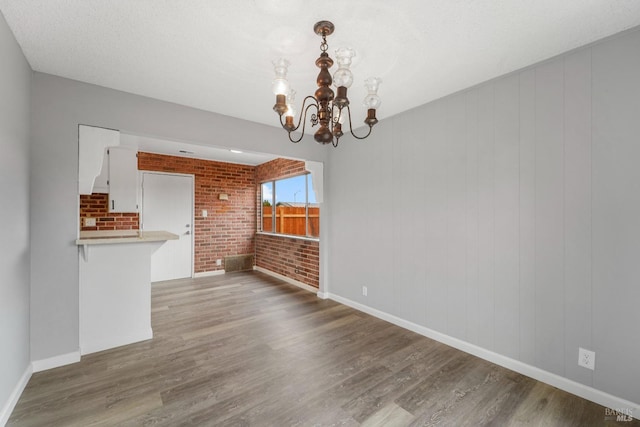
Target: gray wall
x=15, y=80
x=59, y=105
x=507, y=215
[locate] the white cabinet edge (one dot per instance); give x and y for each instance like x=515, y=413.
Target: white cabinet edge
x=92, y=143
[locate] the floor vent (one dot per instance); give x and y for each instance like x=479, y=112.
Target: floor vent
x=238, y=263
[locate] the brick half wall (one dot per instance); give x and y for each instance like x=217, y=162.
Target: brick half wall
x=298, y=259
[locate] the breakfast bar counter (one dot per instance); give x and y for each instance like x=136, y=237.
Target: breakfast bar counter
x=115, y=287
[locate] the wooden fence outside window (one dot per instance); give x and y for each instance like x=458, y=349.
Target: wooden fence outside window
x=292, y=220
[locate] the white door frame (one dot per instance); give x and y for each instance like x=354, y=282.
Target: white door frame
x=193, y=203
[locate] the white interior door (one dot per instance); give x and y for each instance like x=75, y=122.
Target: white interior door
x=167, y=204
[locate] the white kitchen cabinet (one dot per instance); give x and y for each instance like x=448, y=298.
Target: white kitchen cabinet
x=123, y=179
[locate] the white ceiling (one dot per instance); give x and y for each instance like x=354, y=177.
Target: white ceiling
x=186, y=149
x=216, y=55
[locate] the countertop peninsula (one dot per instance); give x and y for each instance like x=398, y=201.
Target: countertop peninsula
x=123, y=236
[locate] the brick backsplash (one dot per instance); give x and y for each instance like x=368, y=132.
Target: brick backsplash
x=96, y=206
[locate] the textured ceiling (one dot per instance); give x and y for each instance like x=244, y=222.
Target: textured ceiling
x=216, y=55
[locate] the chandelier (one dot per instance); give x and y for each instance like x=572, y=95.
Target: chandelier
x=331, y=110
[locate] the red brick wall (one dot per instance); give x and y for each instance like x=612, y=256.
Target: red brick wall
x=229, y=228
x=298, y=259
x=279, y=168
x=96, y=206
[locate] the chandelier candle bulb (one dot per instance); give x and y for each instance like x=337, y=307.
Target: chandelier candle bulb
x=291, y=99
x=337, y=130
x=332, y=110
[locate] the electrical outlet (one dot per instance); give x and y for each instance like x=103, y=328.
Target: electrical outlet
x=218, y=262
x=364, y=291
x=586, y=358
x=89, y=222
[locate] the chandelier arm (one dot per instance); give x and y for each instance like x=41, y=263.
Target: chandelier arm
x=361, y=137
x=302, y=119
x=351, y=126
x=313, y=101
x=295, y=141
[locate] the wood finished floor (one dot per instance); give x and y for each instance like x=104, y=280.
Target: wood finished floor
x=247, y=349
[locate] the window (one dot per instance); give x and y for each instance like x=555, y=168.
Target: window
x=289, y=207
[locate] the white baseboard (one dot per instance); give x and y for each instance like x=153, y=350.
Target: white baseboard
x=112, y=342
x=286, y=279
x=323, y=295
x=56, y=361
x=7, y=408
x=208, y=273
x=586, y=392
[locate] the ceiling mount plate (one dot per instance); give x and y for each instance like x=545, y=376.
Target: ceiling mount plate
x=324, y=28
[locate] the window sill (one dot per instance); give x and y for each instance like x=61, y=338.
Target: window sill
x=289, y=236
